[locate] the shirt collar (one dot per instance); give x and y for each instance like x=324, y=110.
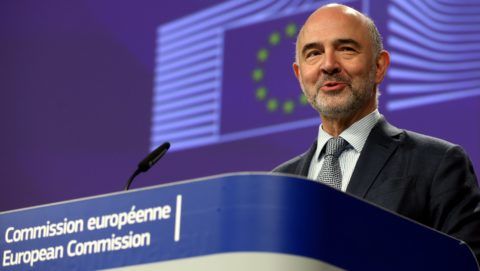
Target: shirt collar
x=356, y=135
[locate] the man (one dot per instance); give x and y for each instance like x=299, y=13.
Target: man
x=340, y=62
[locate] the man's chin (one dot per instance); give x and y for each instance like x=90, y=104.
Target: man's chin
x=334, y=112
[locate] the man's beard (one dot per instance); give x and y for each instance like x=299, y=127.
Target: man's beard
x=358, y=96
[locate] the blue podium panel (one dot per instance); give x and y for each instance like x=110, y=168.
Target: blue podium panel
x=252, y=221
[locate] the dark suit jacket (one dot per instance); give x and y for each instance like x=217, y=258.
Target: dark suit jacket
x=426, y=179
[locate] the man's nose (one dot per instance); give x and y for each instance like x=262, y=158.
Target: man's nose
x=330, y=64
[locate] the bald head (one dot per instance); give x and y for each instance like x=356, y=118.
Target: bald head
x=340, y=63
x=341, y=12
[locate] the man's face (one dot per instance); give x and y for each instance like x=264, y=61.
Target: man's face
x=336, y=66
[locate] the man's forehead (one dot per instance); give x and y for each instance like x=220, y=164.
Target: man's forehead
x=323, y=33
x=333, y=23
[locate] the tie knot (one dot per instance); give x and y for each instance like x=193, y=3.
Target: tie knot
x=335, y=146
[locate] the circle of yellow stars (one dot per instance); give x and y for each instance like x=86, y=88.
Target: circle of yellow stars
x=258, y=74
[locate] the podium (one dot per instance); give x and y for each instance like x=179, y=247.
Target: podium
x=243, y=221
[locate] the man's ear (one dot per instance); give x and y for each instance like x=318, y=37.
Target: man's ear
x=296, y=70
x=382, y=63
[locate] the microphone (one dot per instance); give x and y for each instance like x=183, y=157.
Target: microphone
x=148, y=162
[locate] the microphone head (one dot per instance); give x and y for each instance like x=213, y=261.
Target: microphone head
x=153, y=157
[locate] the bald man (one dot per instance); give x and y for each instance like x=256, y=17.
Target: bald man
x=340, y=61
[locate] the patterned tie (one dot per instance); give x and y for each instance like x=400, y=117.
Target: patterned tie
x=330, y=173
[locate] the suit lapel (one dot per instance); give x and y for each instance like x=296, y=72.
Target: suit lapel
x=304, y=163
x=380, y=145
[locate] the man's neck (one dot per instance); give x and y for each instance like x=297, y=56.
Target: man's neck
x=335, y=126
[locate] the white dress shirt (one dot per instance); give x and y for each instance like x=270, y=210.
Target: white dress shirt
x=356, y=136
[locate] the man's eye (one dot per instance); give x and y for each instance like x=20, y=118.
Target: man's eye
x=347, y=49
x=312, y=53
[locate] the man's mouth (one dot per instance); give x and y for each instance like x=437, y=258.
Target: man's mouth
x=332, y=86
